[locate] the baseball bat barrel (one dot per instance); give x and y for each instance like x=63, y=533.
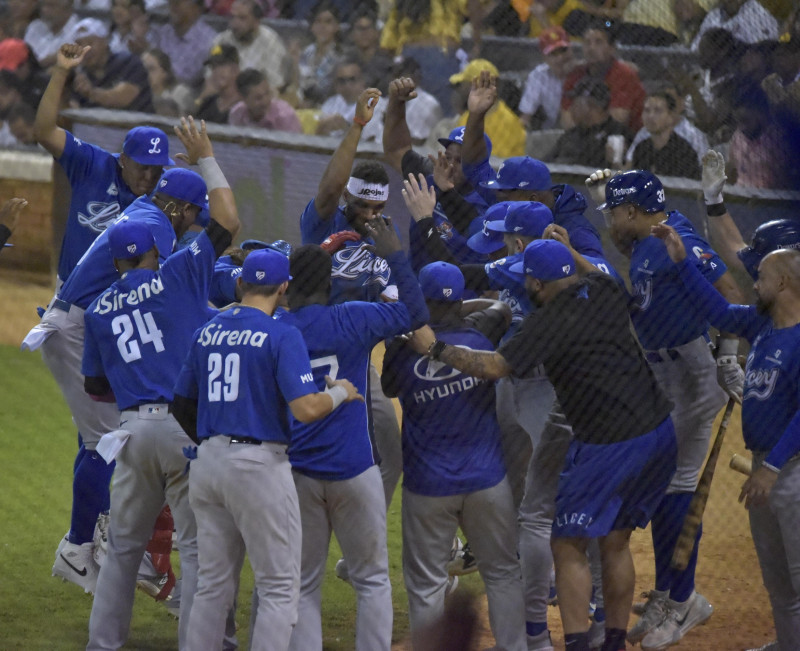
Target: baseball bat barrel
x=694, y=517
x=741, y=464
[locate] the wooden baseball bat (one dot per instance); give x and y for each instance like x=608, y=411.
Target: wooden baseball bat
x=742, y=464
x=694, y=517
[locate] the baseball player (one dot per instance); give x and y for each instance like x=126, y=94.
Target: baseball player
x=770, y=416
x=173, y=208
x=138, y=333
x=333, y=461
x=674, y=335
x=623, y=455
x=9, y=216
x=102, y=184
x=453, y=472
x=243, y=371
x=357, y=273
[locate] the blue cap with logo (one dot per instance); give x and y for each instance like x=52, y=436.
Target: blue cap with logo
x=456, y=137
x=129, y=239
x=546, y=260
x=266, y=267
x=520, y=173
x=147, y=146
x=488, y=241
x=441, y=281
x=528, y=218
x=639, y=187
x=282, y=246
x=184, y=185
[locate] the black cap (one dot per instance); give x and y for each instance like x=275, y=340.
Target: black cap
x=223, y=53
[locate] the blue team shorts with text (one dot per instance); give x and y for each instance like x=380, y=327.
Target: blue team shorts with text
x=604, y=488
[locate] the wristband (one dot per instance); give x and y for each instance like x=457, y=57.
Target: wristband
x=359, y=121
x=727, y=347
x=436, y=349
x=716, y=209
x=337, y=393
x=212, y=174
x=769, y=466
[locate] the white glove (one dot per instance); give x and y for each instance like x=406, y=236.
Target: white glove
x=713, y=177
x=730, y=374
x=596, y=184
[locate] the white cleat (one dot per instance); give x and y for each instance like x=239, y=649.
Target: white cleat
x=681, y=618
x=75, y=563
x=653, y=613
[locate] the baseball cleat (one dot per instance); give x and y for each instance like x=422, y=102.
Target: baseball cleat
x=639, y=606
x=654, y=612
x=75, y=563
x=153, y=586
x=100, y=539
x=540, y=642
x=452, y=584
x=680, y=619
x=341, y=570
x=772, y=646
x=462, y=562
x=597, y=634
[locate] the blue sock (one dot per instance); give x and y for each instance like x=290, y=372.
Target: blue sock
x=576, y=641
x=535, y=628
x=666, y=527
x=90, y=496
x=599, y=614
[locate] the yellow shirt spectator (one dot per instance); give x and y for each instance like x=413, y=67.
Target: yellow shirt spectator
x=554, y=17
x=443, y=27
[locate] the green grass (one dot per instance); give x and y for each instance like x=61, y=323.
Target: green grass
x=37, y=611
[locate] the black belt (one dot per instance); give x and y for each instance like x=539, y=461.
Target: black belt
x=58, y=304
x=246, y=439
x=655, y=357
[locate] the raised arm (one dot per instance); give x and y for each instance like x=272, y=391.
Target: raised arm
x=336, y=174
x=48, y=134
x=396, y=136
x=559, y=234
x=481, y=98
x=727, y=238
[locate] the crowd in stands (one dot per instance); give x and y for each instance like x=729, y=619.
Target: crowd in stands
x=737, y=87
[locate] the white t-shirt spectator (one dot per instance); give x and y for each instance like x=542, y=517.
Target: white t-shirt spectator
x=422, y=114
x=337, y=105
x=685, y=129
x=45, y=43
x=751, y=24
x=542, y=88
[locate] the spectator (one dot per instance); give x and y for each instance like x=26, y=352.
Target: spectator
x=757, y=156
x=219, y=93
x=107, y=80
x=364, y=43
x=259, y=46
x=316, y=64
x=21, y=13
x=54, y=26
x=424, y=113
x=627, y=93
x=185, y=39
x=587, y=143
x=11, y=94
x=648, y=22
x=339, y=110
x=664, y=152
x=306, y=9
x=431, y=32
x=746, y=20
x=755, y=64
x=17, y=58
x=684, y=128
x=689, y=15
x=501, y=125
x=20, y=119
x=260, y=108
x=541, y=97
x=165, y=88
x=783, y=86
x=9, y=218
x=541, y=14
x=129, y=27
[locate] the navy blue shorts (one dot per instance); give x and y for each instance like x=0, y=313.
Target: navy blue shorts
x=604, y=488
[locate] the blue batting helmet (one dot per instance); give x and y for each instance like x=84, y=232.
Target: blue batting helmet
x=770, y=236
x=639, y=187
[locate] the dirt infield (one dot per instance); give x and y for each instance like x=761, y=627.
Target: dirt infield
x=728, y=573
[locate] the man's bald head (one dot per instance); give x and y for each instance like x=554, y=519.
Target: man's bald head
x=786, y=263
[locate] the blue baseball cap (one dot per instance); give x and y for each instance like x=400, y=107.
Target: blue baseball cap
x=147, y=146
x=487, y=241
x=546, y=260
x=281, y=246
x=456, y=137
x=129, y=239
x=639, y=187
x=184, y=185
x=266, y=267
x=528, y=218
x=441, y=281
x=520, y=173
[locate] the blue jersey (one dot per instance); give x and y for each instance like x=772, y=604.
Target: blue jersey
x=664, y=315
x=138, y=331
x=451, y=439
x=771, y=403
x=95, y=271
x=98, y=196
x=244, y=367
x=314, y=229
x=223, y=282
x=567, y=211
x=512, y=289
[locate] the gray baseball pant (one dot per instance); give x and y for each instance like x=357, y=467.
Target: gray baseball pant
x=244, y=497
x=355, y=511
x=776, y=535
x=150, y=468
x=489, y=520
x=387, y=435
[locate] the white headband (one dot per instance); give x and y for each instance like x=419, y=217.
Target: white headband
x=363, y=190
